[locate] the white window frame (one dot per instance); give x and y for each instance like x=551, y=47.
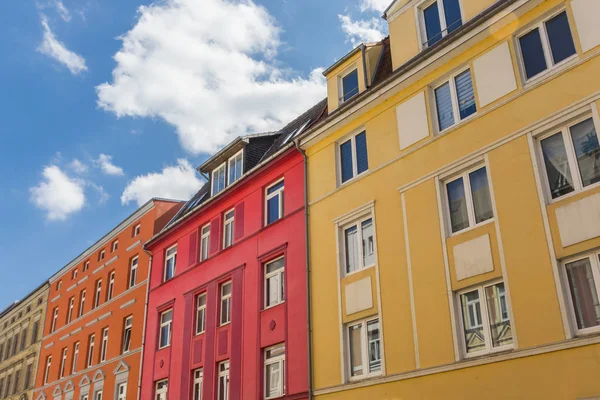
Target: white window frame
x=86, y=266
x=54, y=320
x=550, y=66
x=74, y=275
x=200, y=314
x=98, y=293
x=419, y=10
x=101, y=255
x=197, y=389
x=127, y=329
x=267, y=275
x=63, y=363
x=215, y=172
x=167, y=258
x=133, y=266
x=348, y=71
x=358, y=224
x=90, y=355
x=232, y=158
x=352, y=138
x=161, y=394
x=137, y=229
x=111, y=286
x=169, y=323
x=75, y=357
x=98, y=395
x=84, y=397
x=204, y=238
x=114, y=246
x=275, y=360
x=564, y=130
x=489, y=349
x=224, y=374
x=454, y=96
x=104, y=345
x=47, y=371
x=279, y=192
x=228, y=221
x=119, y=386
x=81, y=303
x=225, y=298
x=364, y=341
x=71, y=308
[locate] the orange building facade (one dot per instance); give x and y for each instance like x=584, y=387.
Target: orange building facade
x=93, y=330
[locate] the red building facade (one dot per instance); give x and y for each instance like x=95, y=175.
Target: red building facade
x=227, y=315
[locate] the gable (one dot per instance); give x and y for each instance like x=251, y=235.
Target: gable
x=121, y=367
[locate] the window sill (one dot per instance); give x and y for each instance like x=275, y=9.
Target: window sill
x=365, y=377
x=470, y=228
x=354, y=178
x=457, y=124
x=550, y=72
x=488, y=353
x=273, y=306
x=357, y=271
x=575, y=193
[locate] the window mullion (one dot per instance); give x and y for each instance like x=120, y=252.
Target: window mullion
x=546, y=45
x=442, y=15
x=364, y=347
x=359, y=238
x=572, y=159
x=454, y=97
x=485, y=321
x=596, y=272
x=354, y=157
x=469, y=198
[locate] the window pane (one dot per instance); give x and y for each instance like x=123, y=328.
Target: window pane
x=452, y=14
x=559, y=34
x=465, y=95
x=443, y=103
x=433, y=29
x=351, y=238
x=374, y=346
x=346, y=160
x=368, y=246
x=275, y=265
x=480, y=191
x=457, y=203
x=557, y=166
x=533, y=53
x=587, y=150
x=583, y=293
x=356, y=365
x=350, y=85
x=273, y=377
x=274, y=188
x=498, y=315
x=472, y=322
x=273, y=209
x=272, y=290
x=164, y=336
x=362, y=158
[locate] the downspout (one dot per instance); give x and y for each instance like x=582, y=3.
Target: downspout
x=139, y=390
x=364, y=60
x=307, y=255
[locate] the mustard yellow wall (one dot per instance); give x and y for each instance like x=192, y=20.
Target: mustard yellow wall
x=404, y=38
x=333, y=79
x=472, y=8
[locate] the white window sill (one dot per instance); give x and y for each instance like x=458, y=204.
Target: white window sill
x=356, y=271
x=574, y=193
x=456, y=125
x=470, y=228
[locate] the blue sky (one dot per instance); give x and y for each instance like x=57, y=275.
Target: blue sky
x=106, y=103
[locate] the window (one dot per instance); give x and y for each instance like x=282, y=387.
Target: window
x=133, y=271
x=7, y=390
x=17, y=377
x=114, y=246
x=454, y=100
x=104, y=345
x=204, y=242
x=98, y=293
x=571, y=158
x=136, y=230
x=71, y=308
x=364, y=349
x=354, y=159
x=54, y=319
x=34, y=332
x=122, y=391
x=439, y=18
x=23, y=339
x=74, y=274
x=166, y=321
x=111, y=285
x=236, y=166
x=161, y=390
x=90, y=355
x=275, y=371
x=86, y=266
x=359, y=245
x=469, y=199
x=127, y=334
x=170, y=263
x=274, y=282
x=225, y=303
x=228, y=229
x=8, y=348
x=224, y=380
x=274, y=202
x=75, y=357
x=47, y=371
x=101, y=255
x=486, y=327
x=583, y=277
x=200, y=313
x=84, y=397
x=349, y=85
x=28, y=374
x=58, y=286
x=81, y=302
x=98, y=395
x=198, y=384
x=546, y=45
x=15, y=344
x=218, y=179
x=63, y=363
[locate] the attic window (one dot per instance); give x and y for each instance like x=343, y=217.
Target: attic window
x=218, y=179
x=235, y=165
x=296, y=132
x=439, y=18
x=349, y=84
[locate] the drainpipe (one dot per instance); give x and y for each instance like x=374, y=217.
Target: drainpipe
x=307, y=255
x=139, y=389
x=364, y=60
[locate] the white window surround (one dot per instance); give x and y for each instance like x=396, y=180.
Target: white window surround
x=277, y=361
x=90, y=355
x=127, y=334
x=341, y=76
x=356, y=223
x=47, y=371
x=101, y=255
x=170, y=254
x=63, y=363
x=232, y=160
x=419, y=17
x=221, y=168
x=75, y=357
x=165, y=324
x=200, y=313
x=136, y=230
x=551, y=67
x=133, y=271
x=104, y=346
x=450, y=79
x=228, y=228
x=114, y=246
x=204, y=242
x=225, y=306
x=355, y=174
x=278, y=276
x=161, y=389
x=365, y=347
x=197, y=390
x=98, y=293
x=563, y=128
x=111, y=286
x=223, y=380
x=268, y=196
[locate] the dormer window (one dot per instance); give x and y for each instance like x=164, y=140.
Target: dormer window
x=218, y=179
x=439, y=18
x=235, y=165
x=349, y=85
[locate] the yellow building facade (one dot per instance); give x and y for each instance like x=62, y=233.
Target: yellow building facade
x=454, y=206
x=21, y=329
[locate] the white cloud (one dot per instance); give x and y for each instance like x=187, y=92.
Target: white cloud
x=58, y=194
x=375, y=5
x=102, y=195
x=78, y=167
x=52, y=47
x=62, y=10
x=362, y=31
x=174, y=182
x=104, y=161
x=208, y=68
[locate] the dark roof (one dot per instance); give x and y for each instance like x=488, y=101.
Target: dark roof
x=384, y=65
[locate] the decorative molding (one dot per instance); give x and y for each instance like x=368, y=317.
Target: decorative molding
x=73, y=286
x=127, y=304
x=99, y=268
x=55, y=298
x=49, y=345
x=133, y=246
x=92, y=322
x=103, y=316
x=357, y=212
x=76, y=330
x=112, y=260
x=64, y=337
x=85, y=278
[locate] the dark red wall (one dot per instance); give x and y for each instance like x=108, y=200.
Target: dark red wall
x=251, y=328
